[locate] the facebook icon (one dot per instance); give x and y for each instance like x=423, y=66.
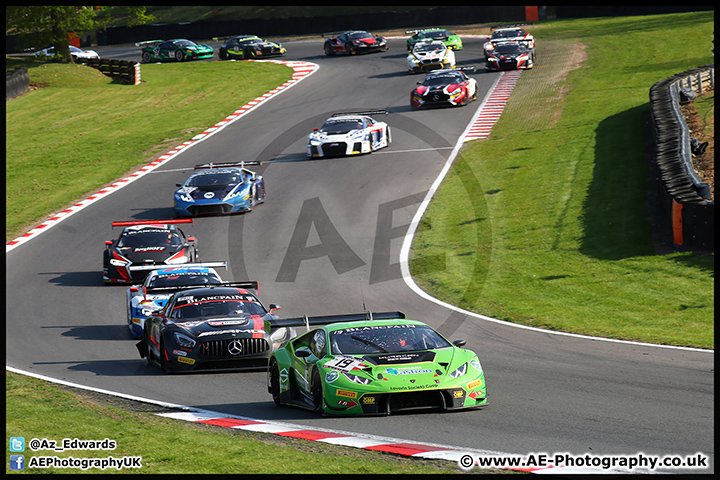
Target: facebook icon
x=17, y=462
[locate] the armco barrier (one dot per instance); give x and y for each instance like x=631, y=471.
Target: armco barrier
x=686, y=200
x=124, y=71
x=16, y=82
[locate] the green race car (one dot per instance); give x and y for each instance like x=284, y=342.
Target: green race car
x=451, y=40
x=176, y=50
x=374, y=364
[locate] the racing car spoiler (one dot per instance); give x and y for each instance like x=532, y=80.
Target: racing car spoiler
x=327, y=319
x=249, y=285
x=369, y=112
x=417, y=30
x=511, y=25
x=225, y=165
x=158, y=266
x=137, y=44
x=151, y=222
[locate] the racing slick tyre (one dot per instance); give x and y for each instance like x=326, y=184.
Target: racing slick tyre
x=317, y=393
x=348, y=49
x=146, y=57
x=275, y=382
x=328, y=49
x=179, y=56
x=222, y=54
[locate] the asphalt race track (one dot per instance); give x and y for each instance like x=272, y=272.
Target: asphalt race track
x=327, y=241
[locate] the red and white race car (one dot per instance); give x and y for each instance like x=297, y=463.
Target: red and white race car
x=448, y=87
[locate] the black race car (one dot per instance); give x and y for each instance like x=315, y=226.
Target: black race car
x=222, y=327
x=354, y=42
x=145, y=245
x=244, y=47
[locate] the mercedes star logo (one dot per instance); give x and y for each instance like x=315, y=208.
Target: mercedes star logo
x=235, y=347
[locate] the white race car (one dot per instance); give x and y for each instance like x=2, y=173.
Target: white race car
x=349, y=134
x=430, y=55
x=74, y=51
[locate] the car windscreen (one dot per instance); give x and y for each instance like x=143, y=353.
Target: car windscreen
x=334, y=127
x=184, y=278
x=508, y=48
x=436, y=81
x=219, y=179
x=226, y=307
x=385, y=339
x=429, y=47
x=359, y=35
x=149, y=238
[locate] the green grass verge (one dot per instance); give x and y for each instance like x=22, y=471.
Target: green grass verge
x=82, y=130
x=545, y=223
x=37, y=409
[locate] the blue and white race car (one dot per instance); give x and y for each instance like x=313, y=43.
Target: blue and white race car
x=220, y=188
x=160, y=284
x=349, y=134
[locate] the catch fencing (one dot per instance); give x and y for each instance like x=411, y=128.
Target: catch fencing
x=686, y=200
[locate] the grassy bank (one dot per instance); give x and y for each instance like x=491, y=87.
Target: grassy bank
x=36, y=409
x=545, y=223
x=81, y=130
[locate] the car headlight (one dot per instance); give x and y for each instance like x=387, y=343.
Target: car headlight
x=184, y=341
x=357, y=379
x=185, y=197
x=459, y=372
x=117, y=263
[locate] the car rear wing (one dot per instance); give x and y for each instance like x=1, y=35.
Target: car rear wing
x=225, y=165
x=248, y=285
x=147, y=42
x=368, y=112
x=158, y=266
x=151, y=222
x=511, y=25
x=327, y=319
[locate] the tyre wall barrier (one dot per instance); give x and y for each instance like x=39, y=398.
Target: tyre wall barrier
x=16, y=82
x=686, y=200
x=124, y=71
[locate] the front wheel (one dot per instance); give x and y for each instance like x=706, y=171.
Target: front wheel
x=179, y=56
x=317, y=393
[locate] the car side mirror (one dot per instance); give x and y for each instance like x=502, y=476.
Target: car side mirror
x=178, y=184
x=274, y=307
x=303, y=352
x=459, y=342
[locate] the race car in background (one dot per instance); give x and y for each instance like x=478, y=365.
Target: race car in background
x=353, y=42
x=451, y=40
x=509, y=34
x=145, y=245
x=176, y=50
x=349, y=134
x=220, y=188
x=510, y=56
x=152, y=294
x=216, y=327
x=430, y=55
x=75, y=52
x=374, y=364
x=451, y=87
x=244, y=47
